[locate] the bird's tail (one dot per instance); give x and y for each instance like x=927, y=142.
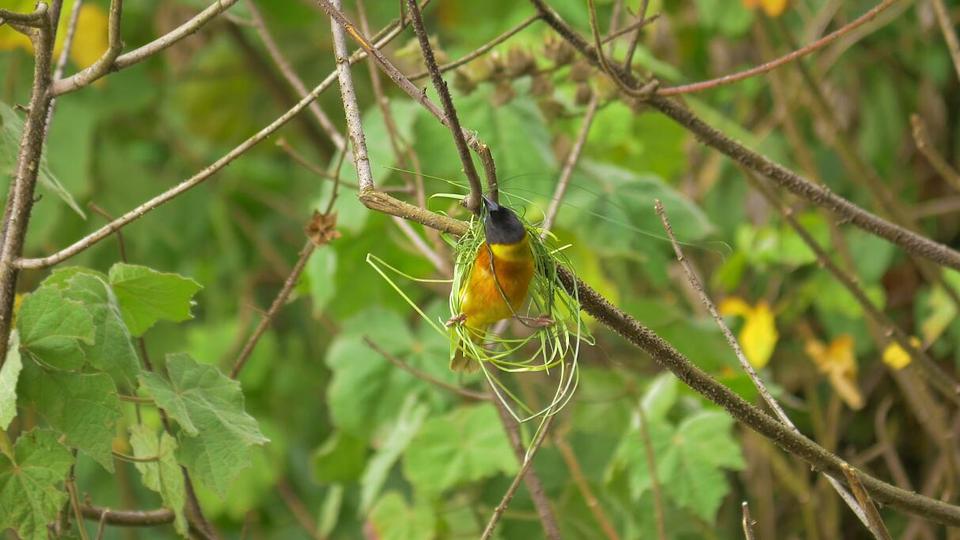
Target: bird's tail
x=462, y=360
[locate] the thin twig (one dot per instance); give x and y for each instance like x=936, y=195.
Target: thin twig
x=418, y=95
x=526, y=473
x=275, y=306
x=312, y=167
x=442, y=265
x=89, y=75
x=138, y=212
x=785, y=59
x=635, y=40
x=71, y=485
x=64, y=54
x=34, y=19
x=466, y=161
x=876, y=522
x=570, y=164
x=121, y=244
x=949, y=32
x=424, y=376
x=583, y=485
x=350, y=108
x=738, y=351
x=668, y=357
x=654, y=477
x=747, y=521
x=298, y=509
x=104, y=64
x=481, y=50
x=795, y=183
x=937, y=161
x=286, y=69
x=128, y=518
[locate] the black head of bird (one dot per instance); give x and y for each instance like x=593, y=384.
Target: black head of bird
x=501, y=225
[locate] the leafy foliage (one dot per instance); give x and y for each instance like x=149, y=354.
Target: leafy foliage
x=31, y=480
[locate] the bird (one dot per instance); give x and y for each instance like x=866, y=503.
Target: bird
x=499, y=279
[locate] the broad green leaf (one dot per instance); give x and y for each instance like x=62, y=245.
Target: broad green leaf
x=164, y=475
x=31, y=492
x=339, y=459
x=147, y=296
x=330, y=511
x=465, y=445
x=112, y=349
x=209, y=408
x=9, y=374
x=378, y=467
x=392, y=519
x=692, y=470
x=660, y=396
x=84, y=407
x=11, y=127
x=602, y=402
x=630, y=458
x=53, y=328
x=367, y=390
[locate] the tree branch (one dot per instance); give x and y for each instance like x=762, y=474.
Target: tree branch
x=104, y=64
x=800, y=186
x=195, y=180
x=128, y=518
x=949, y=32
x=570, y=164
x=88, y=76
x=34, y=19
x=668, y=357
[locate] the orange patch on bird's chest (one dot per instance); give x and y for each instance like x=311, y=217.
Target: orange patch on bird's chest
x=483, y=302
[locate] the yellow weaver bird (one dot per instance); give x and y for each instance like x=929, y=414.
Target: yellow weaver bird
x=501, y=273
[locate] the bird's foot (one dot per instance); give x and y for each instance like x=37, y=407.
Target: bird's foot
x=453, y=321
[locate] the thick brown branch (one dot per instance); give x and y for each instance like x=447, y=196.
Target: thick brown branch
x=128, y=518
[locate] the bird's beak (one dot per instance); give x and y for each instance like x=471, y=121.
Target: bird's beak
x=491, y=205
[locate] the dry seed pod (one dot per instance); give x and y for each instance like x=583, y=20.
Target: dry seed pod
x=463, y=83
x=520, y=62
x=503, y=93
x=557, y=50
x=541, y=85
x=583, y=95
x=551, y=108
x=496, y=65
x=580, y=71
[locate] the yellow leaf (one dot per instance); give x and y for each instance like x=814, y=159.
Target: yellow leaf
x=734, y=306
x=897, y=358
x=90, y=40
x=774, y=8
x=759, y=334
x=838, y=362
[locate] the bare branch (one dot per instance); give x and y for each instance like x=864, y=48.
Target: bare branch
x=286, y=69
x=876, y=523
x=795, y=183
x=128, y=518
x=785, y=59
x=747, y=521
x=35, y=19
x=478, y=146
x=570, y=164
x=275, y=306
x=668, y=357
x=949, y=32
x=576, y=472
x=744, y=363
x=138, y=212
x=473, y=199
x=104, y=64
x=87, y=76
x=526, y=474
x=481, y=50
x=424, y=376
x=350, y=108
x=64, y=54
x=937, y=161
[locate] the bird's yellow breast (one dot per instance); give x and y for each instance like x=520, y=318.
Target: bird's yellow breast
x=508, y=277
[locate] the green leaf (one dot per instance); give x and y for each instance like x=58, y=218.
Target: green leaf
x=378, y=467
x=466, y=445
x=321, y=273
x=9, y=374
x=209, y=408
x=164, y=475
x=30, y=487
x=392, y=519
x=339, y=459
x=367, y=390
x=112, y=349
x=147, y=296
x=82, y=406
x=11, y=127
x=630, y=458
x=52, y=328
x=692, y=470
